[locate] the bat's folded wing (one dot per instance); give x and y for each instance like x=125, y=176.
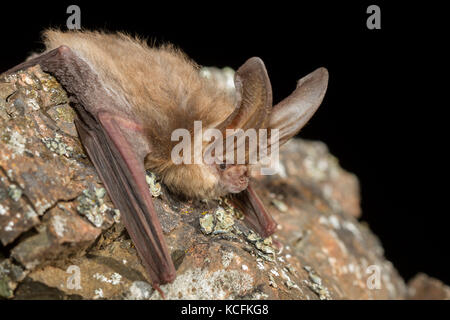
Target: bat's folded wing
x=122, y=172
x=256, y=215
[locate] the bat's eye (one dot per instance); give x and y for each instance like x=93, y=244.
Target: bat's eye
x=222, y=166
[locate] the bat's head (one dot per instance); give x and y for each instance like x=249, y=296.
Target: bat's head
x=255, y=129
x=206, y=181
x=230, y=156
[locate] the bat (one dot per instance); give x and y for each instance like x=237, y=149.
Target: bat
x=129, y=97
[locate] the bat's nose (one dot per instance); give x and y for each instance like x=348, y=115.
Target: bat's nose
x=243, y=171
x=243, y=176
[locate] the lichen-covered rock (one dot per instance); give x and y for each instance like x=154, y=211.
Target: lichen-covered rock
x=62, y=233
x=40, y=164
x=62, y=238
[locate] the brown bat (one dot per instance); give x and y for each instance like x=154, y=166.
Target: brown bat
x=130, y=97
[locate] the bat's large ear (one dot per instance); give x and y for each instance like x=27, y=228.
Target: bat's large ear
x=254, y=97
x=253, y=106
x=291, y=114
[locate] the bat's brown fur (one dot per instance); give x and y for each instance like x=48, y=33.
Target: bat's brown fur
x=162, y=89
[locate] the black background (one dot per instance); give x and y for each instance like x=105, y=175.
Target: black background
x=384, y=112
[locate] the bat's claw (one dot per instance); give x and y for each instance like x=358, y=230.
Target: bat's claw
x=157, y=288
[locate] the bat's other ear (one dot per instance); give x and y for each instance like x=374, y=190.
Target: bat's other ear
x=291, y=114
x=254, y=96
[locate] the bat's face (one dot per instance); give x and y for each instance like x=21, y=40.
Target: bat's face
x=205, y=181
x=232, y=178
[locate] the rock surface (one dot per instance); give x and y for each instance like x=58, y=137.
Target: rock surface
x=61, y=237
x=423, y=287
